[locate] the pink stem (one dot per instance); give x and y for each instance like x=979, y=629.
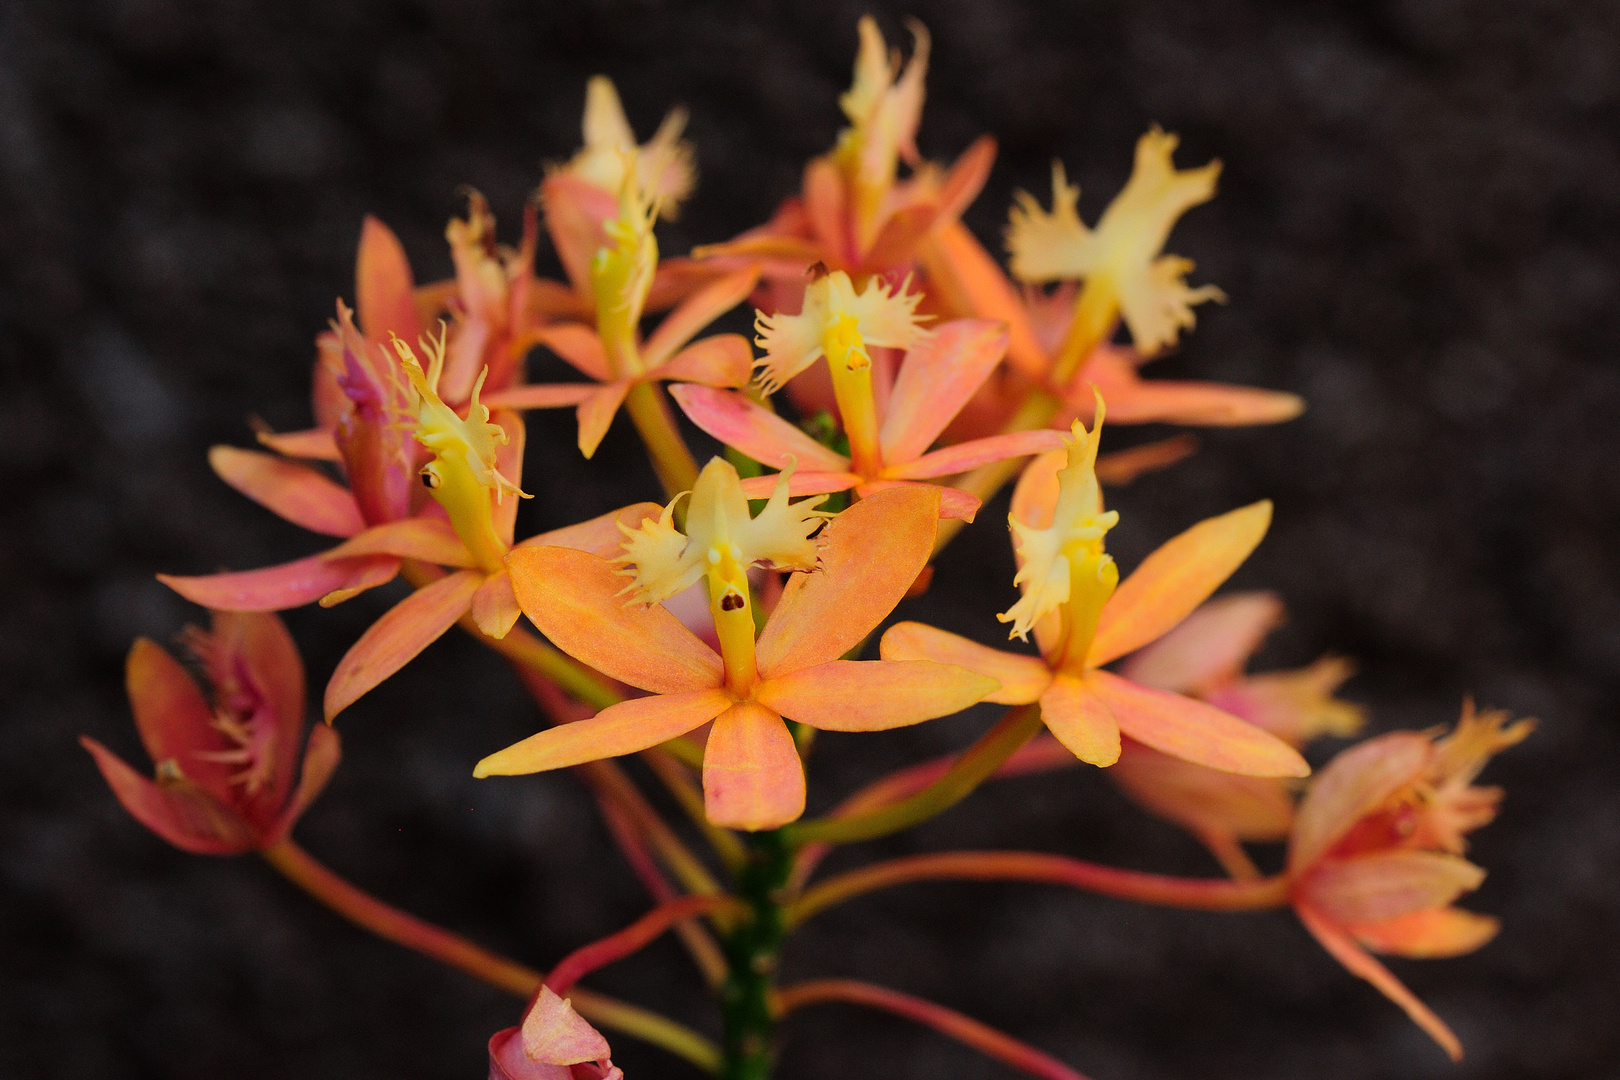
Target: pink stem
x=983, y=1038
x=586, y=959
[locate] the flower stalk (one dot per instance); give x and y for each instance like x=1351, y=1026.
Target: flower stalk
x=747, y=1001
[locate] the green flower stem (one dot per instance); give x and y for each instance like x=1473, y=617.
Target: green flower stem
x=655, y=422
x=748, y=998
x=1199, y=894
x=386, y=921
x=972, y=768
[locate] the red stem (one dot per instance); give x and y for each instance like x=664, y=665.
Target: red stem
x=983, y=1038
x=586, y=959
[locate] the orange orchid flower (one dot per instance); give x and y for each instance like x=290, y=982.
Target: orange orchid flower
x=854, y=213
x=847, y=581
x=1204, y=657
x=1375, y=855
x=553, y=1043
x=1081, y=622
x=889, y=436
x=614, y=354
x=233, y=773
x=1061, y=342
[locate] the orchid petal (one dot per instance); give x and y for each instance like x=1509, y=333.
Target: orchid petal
x=873, y=695
x=1428, y=935
x=625, y=728
x=1388, y=884
x=394, y=640
x=722, y=360
x=575, y=212
x=939, y=375
x=575, y=599
x=428, y=539
x=554, y=1033
x=508, y=464
x=540, y=396
x=313, y=444
x=290, y=585
x=1351, y=786
x=321, y=757
x=174, y=719
x=752, y=776
x=182, y=813
x=970, y=455
x=756, y=431
x=1123, y=466
x=1022, y=678
x=869, y=556
x=602, y=535
x=1203, y=801
x=1196, y=404
x=596, y=413
x=1081, y=720
x=384, y=292
x=953, y=503
x=1359, y=963
x=295, y=492
x=1193, y=731
x=1209, y=646
x=494, y=605
x=823, y=189
x=1034, y=499
x=254, y=651
x=897, y=241
x=971, y=283
x=1175, y=579
x=800, y=483
x=697, y=311
x=966, y=178
x=580, y=346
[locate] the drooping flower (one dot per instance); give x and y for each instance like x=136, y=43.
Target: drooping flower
x=553, y=1043
x=865, y=561
x=888, y=442
x=1081, y=622
x=613, y=353
x=1374, y=859
x=1204, y=657
x=233, y=771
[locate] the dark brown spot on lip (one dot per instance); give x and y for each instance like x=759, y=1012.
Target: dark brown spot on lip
x=817, y=271
x=731, y=601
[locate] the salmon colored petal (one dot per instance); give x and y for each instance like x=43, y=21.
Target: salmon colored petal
x=800, y=483
x=722, y=360
x=966, y=178
x=369, y=573
x=625, y=728
x=290, y=585
x=793, y=251
x=428, y=539
x=1359, y=963
x=173, y=717
x=824, y=205
x=315, y=444
x=1175, y=579
x=254, y=648
x=971, y=283
x=384, y=291
x=295, y=492
x=575, y=599
x=953, y=503
x=579, y=345
x=1123, y=466
x=575, y=211
x=1203, y=801
x=509, y=462
x=897, y=241
x=1035, y=496
x=940, y=373
x=754, y=430
x=970, y=455
x=1209, y=646
x=1428, y=935
x=601, y=535
x=873, y=695
x=1023, y=678
x=596, y=413
x=752, y=776
x=868, y=557
x=695, y=312
x=494, y=605
x=1197, y=404
x=1188, y=729
x=1387, y=884
x=321, y=757
x=394, y=640
x=1081, y=720
x=540, y=396
x=181, y=813
x=1351, y=786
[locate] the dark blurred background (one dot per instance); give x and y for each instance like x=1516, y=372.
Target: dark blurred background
x=1419, y=229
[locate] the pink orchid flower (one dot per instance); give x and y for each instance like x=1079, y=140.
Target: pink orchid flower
x=889, y=428
x=553, y=1043
x=846, y=583
x=1083, y=617
x=1375, y=858
x=233, y=771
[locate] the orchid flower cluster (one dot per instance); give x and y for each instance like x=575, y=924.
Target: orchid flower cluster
x=715, y=632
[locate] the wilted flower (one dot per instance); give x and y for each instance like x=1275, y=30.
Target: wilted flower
x=553, y=1043
x=228, y=777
